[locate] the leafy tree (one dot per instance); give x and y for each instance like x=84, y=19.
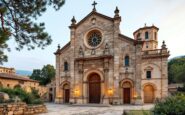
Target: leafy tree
x=176, y=67
x=36, y=74
x=45, y=75
x=18, y=21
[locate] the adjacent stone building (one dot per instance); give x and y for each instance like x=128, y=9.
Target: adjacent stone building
x=9, y=79
x=51, y=91
x=102, y=65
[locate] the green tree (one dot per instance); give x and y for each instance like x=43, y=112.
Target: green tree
x=176, y=67
x=36, y=74
x=18, y=21
x=45, y=75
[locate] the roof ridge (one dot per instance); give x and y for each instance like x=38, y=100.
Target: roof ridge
x=91, y=13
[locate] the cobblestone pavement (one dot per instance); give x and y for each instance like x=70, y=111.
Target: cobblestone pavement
x=59, y=109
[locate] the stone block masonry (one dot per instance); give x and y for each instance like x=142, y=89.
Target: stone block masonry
x=21, y=109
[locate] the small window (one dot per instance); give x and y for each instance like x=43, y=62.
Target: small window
x=66, y=66
x=146, y=35
x=155, y=35
x=8, y=85
x=126, y=60
x=146, y=46
x=148, y=74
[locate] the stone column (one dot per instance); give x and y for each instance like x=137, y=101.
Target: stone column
x=72, y=59
x=57, y=77
x=138, y=77
x=115, y=77
x=106, y=81
x=80, y=82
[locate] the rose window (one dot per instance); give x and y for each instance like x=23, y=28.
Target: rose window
x=94, y=39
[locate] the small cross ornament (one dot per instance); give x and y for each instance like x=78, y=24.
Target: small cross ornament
x=94, y=5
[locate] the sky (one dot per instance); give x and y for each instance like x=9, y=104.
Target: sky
x=167, y=15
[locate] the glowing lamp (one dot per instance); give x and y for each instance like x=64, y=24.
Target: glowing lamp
x=135, y=95
x=110, y=92
x=77, y=93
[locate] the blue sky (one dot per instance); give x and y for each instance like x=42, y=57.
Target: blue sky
x=168, y=15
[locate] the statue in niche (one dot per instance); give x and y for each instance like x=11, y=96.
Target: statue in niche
x=93, y=52
x=107, y=49
x=81, y=53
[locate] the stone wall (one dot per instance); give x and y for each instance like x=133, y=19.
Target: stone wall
x=21, y=109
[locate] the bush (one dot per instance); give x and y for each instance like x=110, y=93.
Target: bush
x=29, y=98
x=174, y=105
x=37, y=101
x=181, y=89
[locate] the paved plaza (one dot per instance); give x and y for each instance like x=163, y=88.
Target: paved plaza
x=59, y=109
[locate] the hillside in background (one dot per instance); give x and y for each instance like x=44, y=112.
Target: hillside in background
x=176, y=70
x=24, y=72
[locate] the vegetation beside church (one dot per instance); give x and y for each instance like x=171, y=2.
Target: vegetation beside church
x=173, y=105
x=176, y=67
x=44, y=75
x=18, y=94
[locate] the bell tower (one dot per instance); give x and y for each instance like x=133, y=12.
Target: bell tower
x=147, y=34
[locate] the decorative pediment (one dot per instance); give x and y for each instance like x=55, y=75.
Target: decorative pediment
x=148, y=68
x=93, y=14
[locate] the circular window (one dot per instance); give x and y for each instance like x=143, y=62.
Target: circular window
x=94, y=38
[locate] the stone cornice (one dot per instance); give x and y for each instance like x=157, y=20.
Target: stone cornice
x=93, y=58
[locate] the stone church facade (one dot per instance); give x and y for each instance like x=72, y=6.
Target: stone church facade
x=101, y=65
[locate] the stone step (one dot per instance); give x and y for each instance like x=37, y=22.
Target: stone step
x=92, y=105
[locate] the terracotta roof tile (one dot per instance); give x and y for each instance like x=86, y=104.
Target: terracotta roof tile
x=16, y=77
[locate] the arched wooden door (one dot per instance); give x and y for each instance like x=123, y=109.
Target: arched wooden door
x=126, y=92
x=94, y=88
x=66, y=93
x=148, y=94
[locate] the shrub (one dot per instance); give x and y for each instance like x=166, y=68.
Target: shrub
x=29, y=98
x=35, y=93
x=181, y=89
x=174, y=105
x=37, y=101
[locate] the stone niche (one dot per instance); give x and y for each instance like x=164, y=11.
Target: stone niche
x=21, y=109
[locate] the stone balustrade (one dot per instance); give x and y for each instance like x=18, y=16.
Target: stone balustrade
x=21, y=109
x=155, y=53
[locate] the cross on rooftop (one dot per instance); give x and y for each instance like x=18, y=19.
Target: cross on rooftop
x=94, y=5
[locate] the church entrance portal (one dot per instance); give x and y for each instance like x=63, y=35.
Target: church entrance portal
x=94, y=88
x=66, y=93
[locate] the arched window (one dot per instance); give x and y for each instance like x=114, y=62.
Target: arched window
x=66, y=68
x=126, y=60
x=138, y=36
x=146, y=35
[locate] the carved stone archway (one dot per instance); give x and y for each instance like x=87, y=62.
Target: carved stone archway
x=127, y=89
x=94, y=88
x=65, y=87
x=149, y=93
x=86, y=77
